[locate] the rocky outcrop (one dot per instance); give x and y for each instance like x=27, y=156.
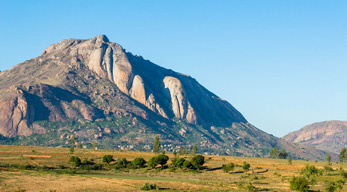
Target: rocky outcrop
x=98, y=92
x=327, y=135
x=14, y=116
x=163, y=91
x=179, y=104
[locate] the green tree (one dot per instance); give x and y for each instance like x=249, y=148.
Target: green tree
x=328, y=158
x=273, y=152
x=121, y=163
x=72, y=149
x=198, y=161
x=107, y=159
x=179, y=162
x=282, y=154
x=153, y=162
x=290, y=159
x=246, y=166
x=228, y=167
x=310, y=172
x=73, y=140
x=75, y=161
x=139, y=162
x=174, y=153
x=156, y=145
x=343, y=154
x=94, y=145
x=332, y=186
x=162, y=159
x=194, y=150
x=299, y=184
x=188, y=164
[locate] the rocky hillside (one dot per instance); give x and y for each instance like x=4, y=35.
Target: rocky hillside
x=326, y=135
x=98, y=92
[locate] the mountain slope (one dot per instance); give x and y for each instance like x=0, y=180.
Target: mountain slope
x=326, y=135
x=95, y=90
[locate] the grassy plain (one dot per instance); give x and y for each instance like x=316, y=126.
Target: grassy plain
x=264, y=174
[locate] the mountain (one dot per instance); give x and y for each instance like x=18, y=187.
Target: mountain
x=98, y=92
x=326, y=135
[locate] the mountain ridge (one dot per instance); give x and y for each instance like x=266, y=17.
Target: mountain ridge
x=326, y=135
x=97, y=91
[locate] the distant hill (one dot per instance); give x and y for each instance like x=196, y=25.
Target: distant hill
x=326, y=135
x=98, y=92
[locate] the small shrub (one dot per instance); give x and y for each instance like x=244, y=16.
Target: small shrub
x=310, y=172
x=228, y=167
x=121, y=163
x=246, y=166
x=342, y=173
x=162, y=159
x=240, y=185
x=75, y=161
x=179, y=162
x=198, y=161
x=332, y=186
x=72, y=149
x=61, y=167
x=250, y=187
x=187, y=165
x=139, y=162
x=328, y=168
x=107, y=159
x=148, y=186
x=153, y=162
x=299, y=184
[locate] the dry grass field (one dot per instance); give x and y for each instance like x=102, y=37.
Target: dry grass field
x=264, y=174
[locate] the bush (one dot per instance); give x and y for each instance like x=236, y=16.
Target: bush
x=198, y=161
x=75, y=161
x=61, y=167
x=228, y=167
x=121, y=163
x=328, y=168
x=333, y=186
x=310, y=172
x=299, y=184
x=147, y=187
x=139, y=162
x=72, y=149
x=282, y=154
x=246, y=166
x=342, y=173
x=179, y=162
x=250, y=187
x=187, y=164
x=153, y=162
x=107, y=159
x=162, y=159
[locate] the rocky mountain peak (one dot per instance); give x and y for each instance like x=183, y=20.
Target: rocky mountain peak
x=96, y=91
x=325, y=135
x=100, y=39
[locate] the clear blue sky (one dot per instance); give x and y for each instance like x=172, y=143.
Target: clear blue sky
x=281, y=63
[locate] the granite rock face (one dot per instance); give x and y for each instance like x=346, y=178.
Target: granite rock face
x=327, y=135
x=163, y=91
x=96, y=90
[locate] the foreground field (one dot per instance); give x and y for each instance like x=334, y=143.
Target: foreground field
x=54, y=173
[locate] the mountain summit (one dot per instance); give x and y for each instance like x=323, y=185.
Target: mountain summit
x=326, y=135
x=98, y=92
